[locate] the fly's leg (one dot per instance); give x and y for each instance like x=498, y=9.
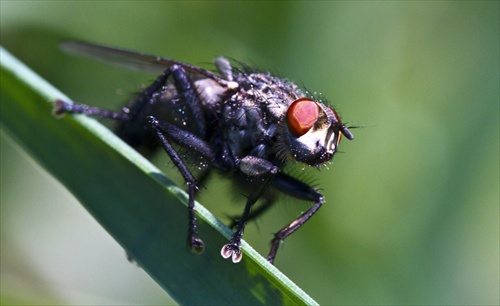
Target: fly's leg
x=164, y=130
x=167, y=132
x=62, y=107
x=300, y=190
x=189, y=94
x=255, y=213
x=145, y=97
x=132, y=131
x=183, y=85
x=185, y=90
x=253, y=167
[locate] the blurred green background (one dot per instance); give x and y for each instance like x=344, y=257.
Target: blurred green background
x=412, y=211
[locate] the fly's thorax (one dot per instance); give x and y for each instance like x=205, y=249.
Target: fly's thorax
x=243, y=125
x=273, y=95
x=252, y=114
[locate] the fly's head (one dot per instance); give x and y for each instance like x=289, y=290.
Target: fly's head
x=313, y=131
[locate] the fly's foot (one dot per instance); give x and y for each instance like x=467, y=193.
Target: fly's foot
x=196, y=244
x=233, y=250
x=60, y=108
x=275, y=243
x=270, y=259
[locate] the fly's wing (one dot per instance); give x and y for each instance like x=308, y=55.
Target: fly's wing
x=134, y=60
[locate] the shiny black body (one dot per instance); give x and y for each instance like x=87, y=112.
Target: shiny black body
x=248, y=125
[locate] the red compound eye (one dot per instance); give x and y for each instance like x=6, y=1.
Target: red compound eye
x=301, y=116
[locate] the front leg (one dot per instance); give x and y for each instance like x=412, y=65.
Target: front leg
x=299, y=190
x=167, y=132
x=253, y=167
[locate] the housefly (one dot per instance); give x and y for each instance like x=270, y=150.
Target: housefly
x=245, y=124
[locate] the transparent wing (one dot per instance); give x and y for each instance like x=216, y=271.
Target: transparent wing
x=132, y=59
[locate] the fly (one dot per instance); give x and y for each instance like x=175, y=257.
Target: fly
x=245, y=124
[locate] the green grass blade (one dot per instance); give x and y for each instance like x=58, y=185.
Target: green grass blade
x=141, y=208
